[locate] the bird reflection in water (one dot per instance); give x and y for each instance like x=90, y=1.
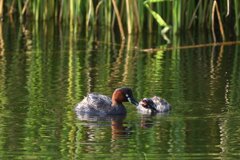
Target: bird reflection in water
x=146, y=121
x=120, y=129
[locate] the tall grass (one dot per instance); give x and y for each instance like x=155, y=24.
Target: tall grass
x=130, y=16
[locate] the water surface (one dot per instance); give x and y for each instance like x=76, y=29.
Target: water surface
x=45, y=71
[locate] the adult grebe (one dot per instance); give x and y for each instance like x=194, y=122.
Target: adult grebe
x=154, y=105
x=98, y=104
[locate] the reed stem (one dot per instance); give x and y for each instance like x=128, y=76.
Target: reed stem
x=215, y=8
x=1, y=8
x=119, y=19
x=129, y=17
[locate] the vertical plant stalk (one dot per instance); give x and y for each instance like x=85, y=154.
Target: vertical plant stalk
x=118, y=19
x=194, y=14
x=108, y=12
x=213, y=13
x=136, y=15
x=176, y=16
x=97, y=10
x=36, y=9
x=228, y=8
x=90, y=14
x=1, y=41
x=1, y=9
x=60, y=12
x=121, y=8
x=237, y=16
x=48, y=12
x=71, y=13
x=220, y=22
x=24, y=7
x=11, y=9
x=97, y=15
x=215, y=7
x=129, y=17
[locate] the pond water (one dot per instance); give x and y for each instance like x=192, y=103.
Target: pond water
x=45, y=71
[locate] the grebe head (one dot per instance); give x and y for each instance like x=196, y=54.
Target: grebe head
x=123, y=95
x=148, y=103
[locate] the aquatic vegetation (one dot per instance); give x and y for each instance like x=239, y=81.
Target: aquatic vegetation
x=129, y=16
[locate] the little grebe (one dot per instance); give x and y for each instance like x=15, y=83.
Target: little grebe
x=98, y=104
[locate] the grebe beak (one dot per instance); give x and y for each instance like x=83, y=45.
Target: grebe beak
x=133, y=101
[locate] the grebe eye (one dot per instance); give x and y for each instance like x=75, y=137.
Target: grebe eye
x=127, y=95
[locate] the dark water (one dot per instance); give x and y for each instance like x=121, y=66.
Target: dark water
x=45, y=71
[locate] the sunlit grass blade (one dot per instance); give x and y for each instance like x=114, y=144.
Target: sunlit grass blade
x=157, y=17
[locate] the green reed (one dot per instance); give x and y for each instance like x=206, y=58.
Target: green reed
x=134, y=15
x=237, y=16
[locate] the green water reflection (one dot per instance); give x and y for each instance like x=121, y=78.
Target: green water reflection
x=45, y=71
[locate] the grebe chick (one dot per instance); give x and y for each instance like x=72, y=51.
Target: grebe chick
x=154, y=105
